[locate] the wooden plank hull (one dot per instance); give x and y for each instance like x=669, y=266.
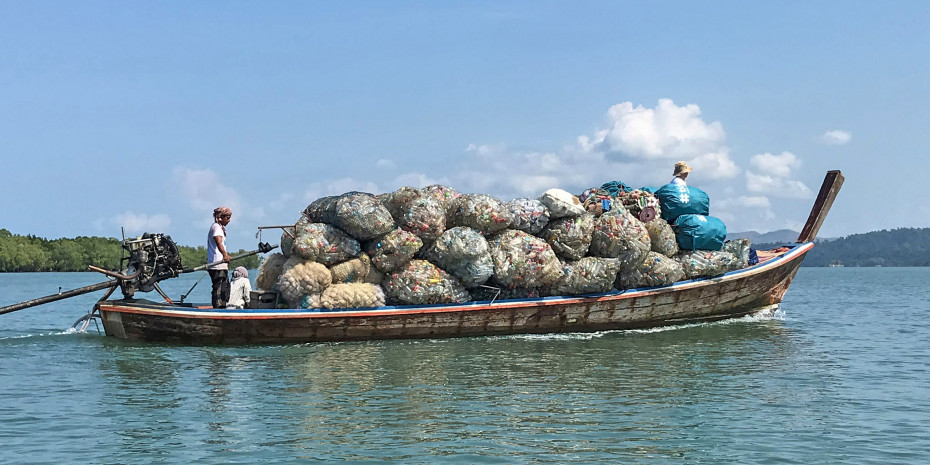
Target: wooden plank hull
x=731, y=295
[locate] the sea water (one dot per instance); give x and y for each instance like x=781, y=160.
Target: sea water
x=837, y=375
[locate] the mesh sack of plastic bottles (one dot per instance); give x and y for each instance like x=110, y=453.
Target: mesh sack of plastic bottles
x=446, y=195
x=499, y=292
x=642, y=204
x=322, y=210
x=523, y=260
x=589, y=275
x=302, y=277
x=420, y=282
x=393, y=250
x=324, y=243
x=561, y=203
x=740, y=249
x=310, y=301
x=288, y=234
x=655, y=270
x=352, y=271
x=352, y=295
x=618, y=234
x=414, y=211
x=463, y=252
x=481, y=212
x=362, y=216
x=528, y=215
x=705, y=263
x=270, y=270
x=375, y=276
x=662, y=237
x=570, y=237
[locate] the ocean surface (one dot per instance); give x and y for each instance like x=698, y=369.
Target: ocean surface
x=839, y=374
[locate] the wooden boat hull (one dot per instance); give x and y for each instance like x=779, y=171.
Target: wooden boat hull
x=730, y=295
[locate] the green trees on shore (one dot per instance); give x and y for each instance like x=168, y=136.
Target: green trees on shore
x=31, y=253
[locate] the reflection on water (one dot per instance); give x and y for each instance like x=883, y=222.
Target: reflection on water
x=579, y=395
x=827, y=381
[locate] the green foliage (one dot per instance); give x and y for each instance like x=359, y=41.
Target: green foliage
x=31, y=253
x=898, y=247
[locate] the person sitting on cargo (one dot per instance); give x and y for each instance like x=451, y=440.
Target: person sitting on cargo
x=216, y=252
x=681, y=173
x=240, y=289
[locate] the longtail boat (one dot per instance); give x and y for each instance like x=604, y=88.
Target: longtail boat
x=733, y=294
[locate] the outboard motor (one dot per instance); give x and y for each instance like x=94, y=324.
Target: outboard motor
x=153, y=257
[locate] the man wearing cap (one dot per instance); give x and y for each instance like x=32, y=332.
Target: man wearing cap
x=681, y=173
x=216, y=252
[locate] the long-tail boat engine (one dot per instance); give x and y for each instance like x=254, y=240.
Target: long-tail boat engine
x=152, y=258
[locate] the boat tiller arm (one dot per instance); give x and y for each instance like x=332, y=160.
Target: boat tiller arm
x=263, y=247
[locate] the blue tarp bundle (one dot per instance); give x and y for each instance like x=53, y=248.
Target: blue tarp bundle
x=614, y=188
x=700, y=232
x=678, y=200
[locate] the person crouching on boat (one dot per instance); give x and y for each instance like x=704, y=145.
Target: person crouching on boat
x=216, y=251
x=681, y=173
x=240, y=289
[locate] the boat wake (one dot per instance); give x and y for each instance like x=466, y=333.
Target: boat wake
x=762, y=315
x=66, y=332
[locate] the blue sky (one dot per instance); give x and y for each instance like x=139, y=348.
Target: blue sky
x=147, y=115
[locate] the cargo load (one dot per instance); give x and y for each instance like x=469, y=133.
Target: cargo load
x=523, y=260
x=421, y=213
x=570, y=236
x=588, y=275
x=420, y=282
x=301, y=278
x=529, y=215
x=561, y=203
x=706, y=263
x=463, y=252
x=676, y=200
x=393, y=250
x=617, y=234
x=699, y=232
x=324, y=243
x=434, y=245
x=352, y=295
x=655, y=270
x=481, y=212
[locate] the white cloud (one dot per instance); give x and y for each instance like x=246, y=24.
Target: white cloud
x=339, y=186
x=282, y=201
x=667, y=131
x=745, y=201
x=771, y=176
x=714, y=165
x=506, y=173
x=415, y=180
x=135, y=224
x=386, y=164
x=835, y=137
x=776, y=186
x=779, y=165
x=204, y=190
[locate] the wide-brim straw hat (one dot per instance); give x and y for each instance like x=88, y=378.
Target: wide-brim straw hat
x=682, y=168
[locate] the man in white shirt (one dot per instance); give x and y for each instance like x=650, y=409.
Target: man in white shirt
x=216, y=251
x=681, y=173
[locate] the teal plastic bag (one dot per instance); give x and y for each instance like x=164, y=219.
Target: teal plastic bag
x=700, y=232
x=678, y=200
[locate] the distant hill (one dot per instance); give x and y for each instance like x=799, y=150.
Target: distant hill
x=782, y=235
x=897, y=247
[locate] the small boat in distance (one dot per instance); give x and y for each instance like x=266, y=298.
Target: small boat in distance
x=734, y=294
